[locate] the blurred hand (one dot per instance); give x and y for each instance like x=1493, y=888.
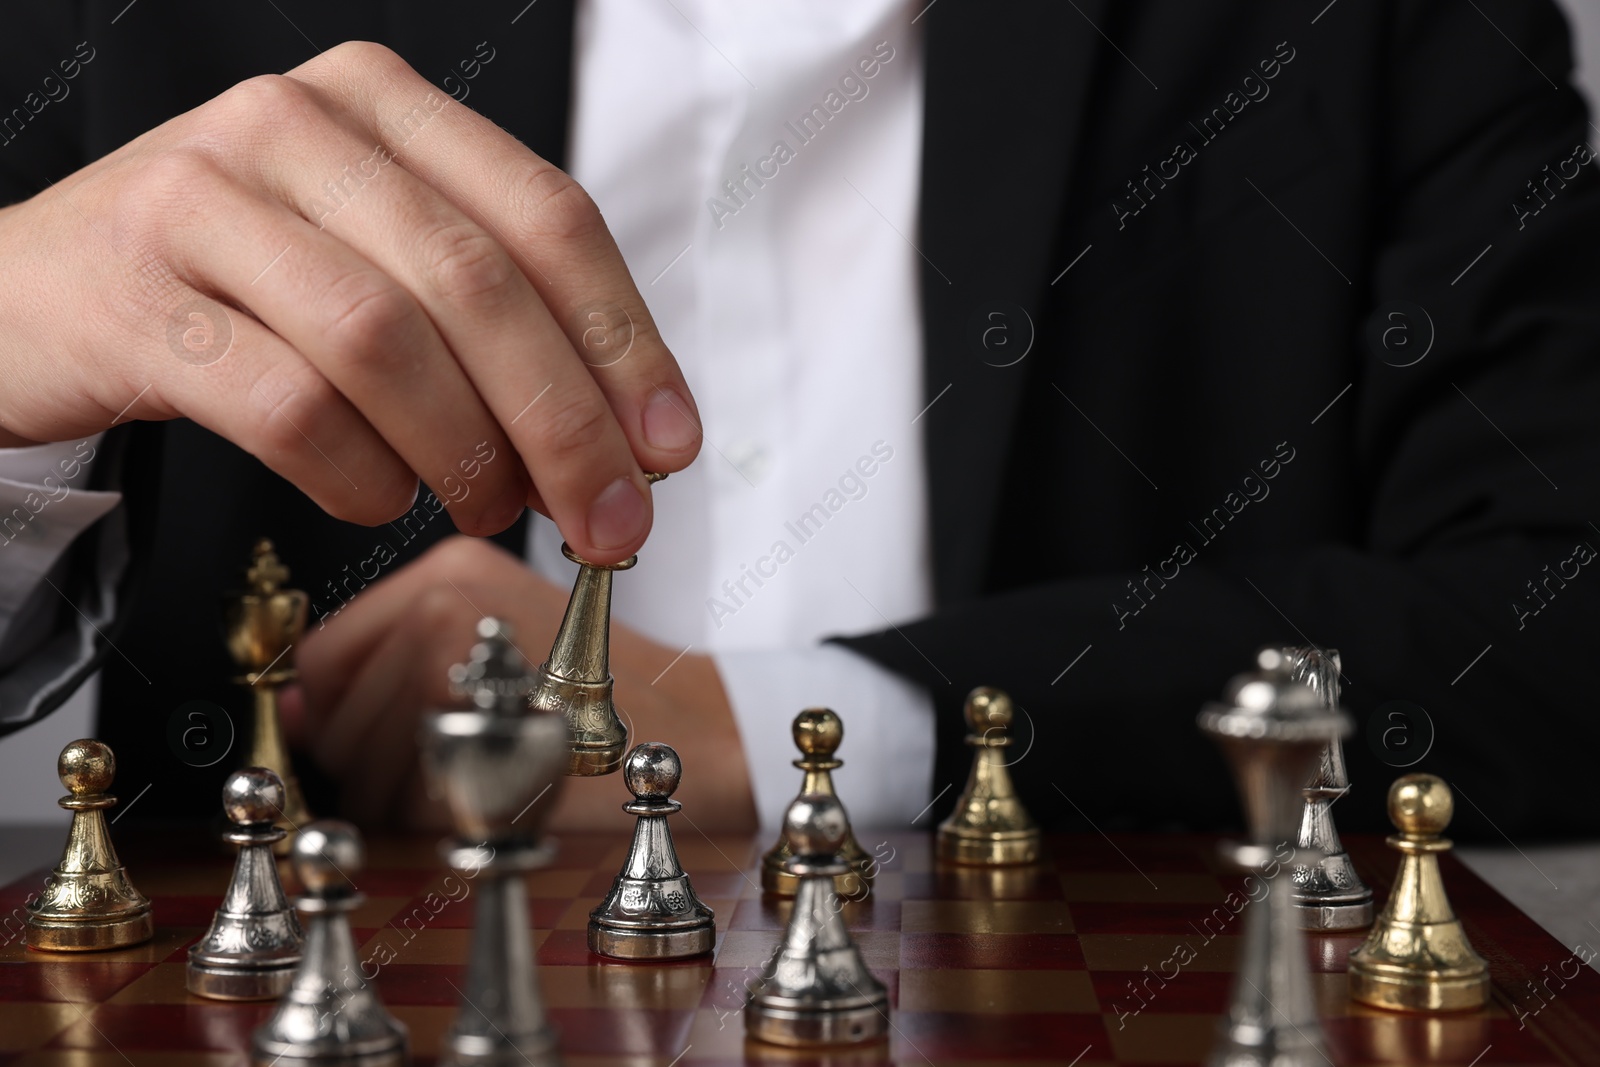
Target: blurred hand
x=361, y=282
x=381, y=663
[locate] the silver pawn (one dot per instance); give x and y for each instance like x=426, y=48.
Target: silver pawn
x=1271, y=729
x=652, y=912
x=255, y=941
x=330, y=1015
x=816, y=990
x=1329, y=894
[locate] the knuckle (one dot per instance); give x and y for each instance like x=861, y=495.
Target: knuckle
x=269, y=100
x=572, y=431
x=553, y=205
x=364, y=57
x=172, y=181
x=469, y=267
x=292, y=407
x=370, y=319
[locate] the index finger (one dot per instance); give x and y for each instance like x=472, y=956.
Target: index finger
x=549, y=225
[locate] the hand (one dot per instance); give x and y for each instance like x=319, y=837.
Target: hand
x=361, y=282
x=375, y=668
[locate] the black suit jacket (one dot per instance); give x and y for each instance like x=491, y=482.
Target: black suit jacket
x=1174, y=256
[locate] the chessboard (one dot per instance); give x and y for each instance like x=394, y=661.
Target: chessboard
x=1072, y=961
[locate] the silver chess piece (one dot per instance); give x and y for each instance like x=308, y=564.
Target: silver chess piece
x=1329, y=894
x=1271, y=729
x=493, y=767
x=255, y=941
x=816, y=990
x=652, y=912
x=496, y=676
x=331, y=1014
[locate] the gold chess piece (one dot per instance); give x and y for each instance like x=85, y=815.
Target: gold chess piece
x=989, y=826
x=264, y=624
x=1417, y=957
x=817, y=734
x=88, y=903
x=576, y=678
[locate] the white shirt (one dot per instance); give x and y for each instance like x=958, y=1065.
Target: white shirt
x=758, y=165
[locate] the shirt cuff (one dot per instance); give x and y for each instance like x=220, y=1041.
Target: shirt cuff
x=42, y=511
x=888, y=730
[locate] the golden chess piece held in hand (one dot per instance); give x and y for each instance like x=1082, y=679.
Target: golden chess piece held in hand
x=264, y=623
x=989, y=826
x=817, y=734
x=88, y=902
x=575, y=679
x=1417, y=957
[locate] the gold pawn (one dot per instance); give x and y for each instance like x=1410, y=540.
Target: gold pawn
x=1417, y=957
x=88, y=902
x=817, y=734
x=989, y=826
x=264, y=624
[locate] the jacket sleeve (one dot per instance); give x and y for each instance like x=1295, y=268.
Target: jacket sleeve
x=43, y=118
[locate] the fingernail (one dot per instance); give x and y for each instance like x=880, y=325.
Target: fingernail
x=668, y=421
x=618, y=515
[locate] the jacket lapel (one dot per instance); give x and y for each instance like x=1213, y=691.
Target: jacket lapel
x=998, y=140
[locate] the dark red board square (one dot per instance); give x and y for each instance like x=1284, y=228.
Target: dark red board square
x=152, y=1027
x=1154, y=853
x=1466, y=1039
x=457, y=914
x=936, y=951
x=185, y=911
x=1203, y=992
x=1182, y=919
x=1041, y=882
x=947, y=1037
x=80, y=981
x=724, y=885
x=417, y=983
x=608, y=1032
